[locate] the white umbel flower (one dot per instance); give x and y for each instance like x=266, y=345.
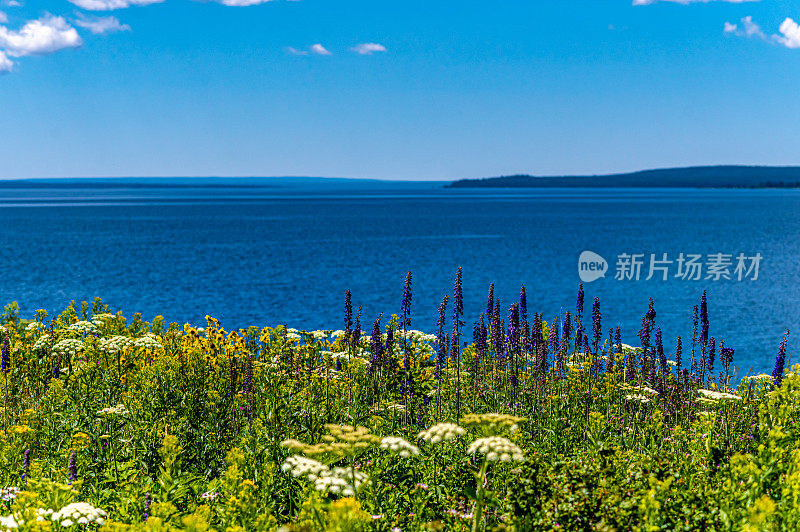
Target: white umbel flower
x=717, y=396
x=399, y=446
x=68, y=347
x=442, y=432
x=79, y=512
x=636, y=397
x=496, y=449
x=301, y=466
x=83, y=327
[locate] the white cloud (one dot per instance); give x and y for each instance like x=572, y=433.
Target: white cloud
x=106, y=5
x=748, y=29
x=295, y=51
x=790, y=34
x=38, y=37
x=5, y=63
x=3, y=18
x=101, y=25
x=13, y=3
x=789, y=37
x=684, y=2
x=319, y=50
x=368, y=48
x=242, y=3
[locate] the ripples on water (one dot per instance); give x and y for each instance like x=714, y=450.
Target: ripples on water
x=265, y=256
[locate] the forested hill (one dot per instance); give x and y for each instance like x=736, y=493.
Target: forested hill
x=690, y=177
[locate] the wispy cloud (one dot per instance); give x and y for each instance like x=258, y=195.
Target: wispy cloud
x=39, y=37
x=368, y=48
x=101, y=25
x=108, y=5
x=242, y=3
x=747, y=29
x=648, y=2
x=3, y=18
x=318, y=49
x=5, y=63
x=13, y=3
x=789, y=32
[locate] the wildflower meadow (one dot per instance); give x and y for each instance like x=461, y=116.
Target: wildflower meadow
x=511, y=420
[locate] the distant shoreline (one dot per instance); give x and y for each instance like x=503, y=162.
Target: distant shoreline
x=690, y=177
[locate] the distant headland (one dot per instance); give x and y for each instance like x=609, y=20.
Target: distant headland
x=688, y=177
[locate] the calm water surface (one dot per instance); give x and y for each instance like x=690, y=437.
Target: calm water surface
x=266, y=256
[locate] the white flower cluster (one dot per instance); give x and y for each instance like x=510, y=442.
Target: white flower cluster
x=80, y=513
x=417, y=336
x=118, y=410
x=292, y=336
x=100, y=319
x=33, y=326
x=339, y=480
x=442, y=432
x=636, y=397
x=717, y=396
x=496, y=448
x=116, y=344
x=759, y=377
x=301, y=466
x=68, y=346
x=399, y=446
x=148, y=341
x=83, y=327
x=9, y=494
x=14, y=521
x=42, y=343
x=319, y=335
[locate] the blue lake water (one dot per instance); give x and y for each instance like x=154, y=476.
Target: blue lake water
x=265, y=256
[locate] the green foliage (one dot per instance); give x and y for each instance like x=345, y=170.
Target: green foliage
x=203, y=429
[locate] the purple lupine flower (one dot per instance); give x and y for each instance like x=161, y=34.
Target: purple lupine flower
x=662, y=358
x=5, y=365
x=651, y=311
x=355, y=337
x=375, y=345
x=566, y=332
x=147, y=501
x=458, y=297
x=348, y=316
x=695, y=322
x=490, y=303
x=72, y=468
x=725, y=356
x=523, y=304
x=780, y=362
x=338, y=364
x=597, y=330
x=26, y=463
x=441, y=343
x=498, y=336
x=618, y=339
x=678, y=353
x=712, y=352
x=513, y=337
x=553, y=338
x=406, y=310
x=704, y=319
x=389, y=340
x=479, y=337
x=579, y=306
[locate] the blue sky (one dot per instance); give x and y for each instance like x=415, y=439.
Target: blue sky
x=414, y=89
